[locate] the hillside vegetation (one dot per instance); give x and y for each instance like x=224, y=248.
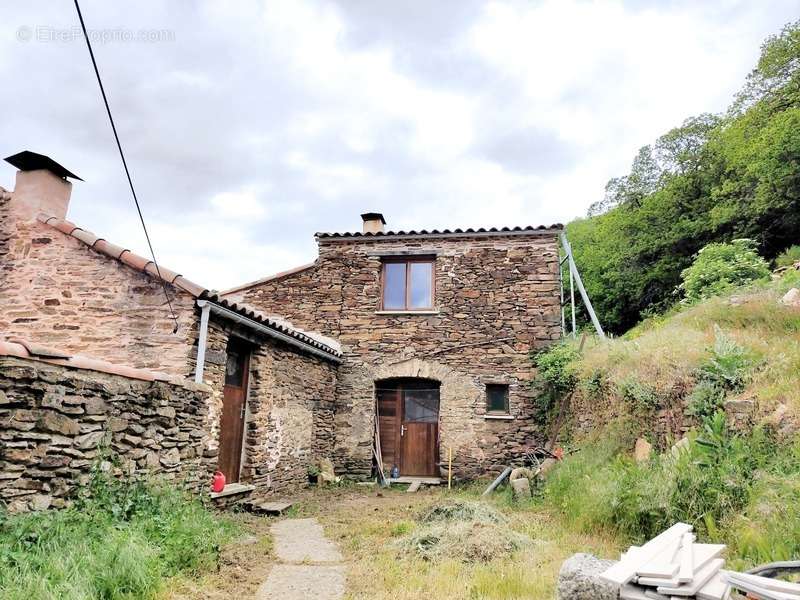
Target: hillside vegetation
x=713, y=179
x=736, y=485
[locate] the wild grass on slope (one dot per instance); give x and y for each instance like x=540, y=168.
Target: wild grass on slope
x=664, y=352
x=740, y=490
x=118, y=543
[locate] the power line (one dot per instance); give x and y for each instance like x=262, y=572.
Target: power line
x=125, y=165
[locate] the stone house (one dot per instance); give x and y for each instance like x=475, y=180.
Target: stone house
x=416, y=340
x=436, y=330
x=269, y=413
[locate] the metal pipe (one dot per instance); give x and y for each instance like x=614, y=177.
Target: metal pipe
x=255, y=326
x=200, y=363
x=574, y=271
x=561, y=291
x=572, y=297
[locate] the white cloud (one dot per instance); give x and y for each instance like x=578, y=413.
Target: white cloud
x=263, y=122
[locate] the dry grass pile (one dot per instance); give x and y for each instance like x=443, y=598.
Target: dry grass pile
x=463, y=530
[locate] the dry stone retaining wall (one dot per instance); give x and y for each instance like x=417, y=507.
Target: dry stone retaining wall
x=53, y=418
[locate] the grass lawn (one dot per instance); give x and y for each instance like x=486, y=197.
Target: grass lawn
x=370, y=526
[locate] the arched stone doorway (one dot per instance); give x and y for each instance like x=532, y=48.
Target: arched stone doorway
x=408, y=419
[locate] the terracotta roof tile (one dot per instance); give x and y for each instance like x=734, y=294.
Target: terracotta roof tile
x=189, y=286
x=24, y=349
x=87, y=237
x=171, y=277
x=134, y=260
x=166, y=274
x=530, y=229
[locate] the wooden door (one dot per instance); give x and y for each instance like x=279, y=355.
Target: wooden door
x=408, y=418
x=419, y=431
x=234, y=406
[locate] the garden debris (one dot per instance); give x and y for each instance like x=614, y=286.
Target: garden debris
x=466, y=531
x=326, y=474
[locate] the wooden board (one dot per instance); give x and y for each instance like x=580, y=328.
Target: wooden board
x=625, y=570
x=715, y=589
x=686, y=571
x=702, y=577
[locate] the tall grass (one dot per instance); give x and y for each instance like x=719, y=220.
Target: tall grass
x=740, y=490
x=117, y=542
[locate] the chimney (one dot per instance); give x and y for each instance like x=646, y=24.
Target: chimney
x=373, y=222
x=41, y=186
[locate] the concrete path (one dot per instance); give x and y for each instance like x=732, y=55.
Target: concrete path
x=309, y=564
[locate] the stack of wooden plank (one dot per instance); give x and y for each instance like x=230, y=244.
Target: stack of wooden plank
x=671, y=566
x=762, y=587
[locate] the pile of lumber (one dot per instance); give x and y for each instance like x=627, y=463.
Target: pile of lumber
x=671, y=565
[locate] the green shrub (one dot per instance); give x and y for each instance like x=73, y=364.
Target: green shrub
x=637, y=395
x=718, y=268
x=706, y=399
x=788, y=257
x=730, y=366
x=722, y=483
x=556, y=373
x=118, y=541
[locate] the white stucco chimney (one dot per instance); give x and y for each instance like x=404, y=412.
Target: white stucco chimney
x=41, y=187
x=373, y=222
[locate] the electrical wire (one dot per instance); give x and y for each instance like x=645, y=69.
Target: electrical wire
x=125, y=165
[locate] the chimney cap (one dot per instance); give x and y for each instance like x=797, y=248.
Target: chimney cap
x=373, y=216
x=30, y=161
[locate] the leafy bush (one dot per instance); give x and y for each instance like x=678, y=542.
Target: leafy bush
x=706, y=399
x=718, y=268
x=788, y=257
x=730, y=367
x=119, y=540
x=556, y=372
x=639, y=396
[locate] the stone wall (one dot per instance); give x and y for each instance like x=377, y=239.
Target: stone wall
x=56, y=291
x=290, y=407
x=52, y=419
x=290, y=418
x=497, y=299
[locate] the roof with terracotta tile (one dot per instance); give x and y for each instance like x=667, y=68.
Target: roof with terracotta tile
x=469, y=232
x=145, y=265
x=21, y=348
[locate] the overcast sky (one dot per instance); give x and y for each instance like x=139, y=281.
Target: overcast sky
x=249, y=126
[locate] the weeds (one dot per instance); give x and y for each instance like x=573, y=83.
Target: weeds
x=120, y=540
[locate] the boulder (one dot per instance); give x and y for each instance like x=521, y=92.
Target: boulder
x=791, y=298
x=522, y=488
x=642, y=450
x=579, y=579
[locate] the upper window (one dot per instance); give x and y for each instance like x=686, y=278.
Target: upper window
x=408, y=284
x=497, y=398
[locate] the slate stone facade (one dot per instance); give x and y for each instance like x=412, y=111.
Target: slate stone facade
x=496, y=300
x=53, y=419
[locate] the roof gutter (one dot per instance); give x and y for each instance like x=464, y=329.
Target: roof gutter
x=225, y=313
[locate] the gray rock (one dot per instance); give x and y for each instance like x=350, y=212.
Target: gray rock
x=792, y=298
x=579, y=579
x=522, y=489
